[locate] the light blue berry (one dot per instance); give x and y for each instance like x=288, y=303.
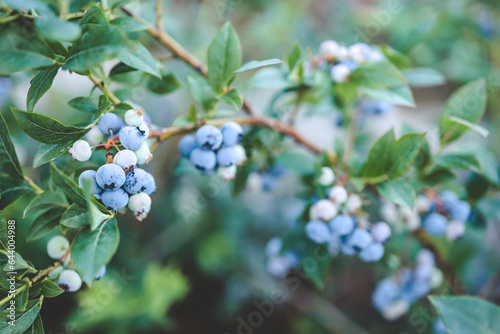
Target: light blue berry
x=136, y=181
x=435, y=224
x=386, y=292
x=131, y=137
x=115, y=199
x=359, y=239
x=232, y=133
x=347, y=249
x=448, y=200
x=91, y=175
x=318, y=231
x=150, y=187
x=186, y=145
x=372, y=253
x=110, y=177
x=460, y=211
x=227, y=156
x=203, y=160
x=109, y=122
x=209, y=137
x=342, y=225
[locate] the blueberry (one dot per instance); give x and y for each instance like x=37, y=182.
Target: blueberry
x=423, y=272
x=359, y=239
x=373, y=252
x=386, y=292
x=340, y=73
x=204, y=160
x=186, y=145
x=110, y=177
x=143, y=154
x=227, y=156
x=376, y=107
x=338, y=194
x=136, y=181
x=448, y=200
x=455, y=230
x=115, y=199
x=460, y=211
x=81, y=150
x=273, y=246
x=323, y=210
x=69, y=280
x=327, y=177
x=334, y=244
x=232, y=133
x=317, y=231
x=109, y=123
x=91, y=175
x=125, y=159
x=57, y=247
x=439, y=327
x=435, y=224
x=329, y=50
x=134, y=117
x=347, y=249
x=342, y=225
x=131, y=138
x=150, y=187
x=381, y=232
x=140, y=204
x=209, y=137
x=100, y=273
x=425, y=256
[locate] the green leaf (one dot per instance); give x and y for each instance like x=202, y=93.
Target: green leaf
x=83, y=103
x=395, y=57
x=15, y=60
x=94, y=47
x=167, y=84
x=45, y=200
x=22, y=300
x=40, y=84
x=315, y=263
x=11, y=189
x=251, y=65
x=224, y=57
x=202, y=92
x=467, y=104
x=72, y=191
x=128, y=24
x=36, y=327
x=294, y=55
x=455, y=122
x=138, y=57
x=94, y=17
x=22, y=322
x=423, y=77
x=45, y=223
x=377, y=75
x=233, y=98
x=48, y=152
x=466, y=315
x=51, y=289
x=459, y=161
x=403, y=154
x=399, y=95
x=51, y=27
x=45, y=129
x=182, y=120
x=378, y=161
x=75, y=216
x=399, y=192
x=9, y=164
x=102, y=106
x=93, y=249
x=3, y=231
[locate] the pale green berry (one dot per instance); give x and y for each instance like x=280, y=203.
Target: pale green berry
x=57, y=247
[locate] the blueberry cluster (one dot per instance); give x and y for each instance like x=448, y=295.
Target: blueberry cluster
x=213, y=150
x=64, y=275
x=341, y=61
x=279, y=264
x=446, y=215
x=394, y=296
x=120, y=183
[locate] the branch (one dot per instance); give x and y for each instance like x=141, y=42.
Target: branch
x=270, y=123
x=178, y=51
x=112, y=97
x=159, y=15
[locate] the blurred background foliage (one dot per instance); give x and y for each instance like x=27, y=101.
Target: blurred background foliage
x=202, y=248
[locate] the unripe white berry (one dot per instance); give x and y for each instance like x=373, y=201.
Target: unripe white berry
x=81, y=150
x=423, y=203
x=455, y=230
x=125, y=159
x=338, y=194
x=94, y=136
x=357, y=53
x=69, y=280
x=241, y=155
x=134, y=117
x=140, y=204
x=340, y=73
x=327, y=177
x=389, y=211
x=323, y=210
x=329, y=50
x=381, y=232
x=425, y=256
x=227, y=173
x=354, y=203
x=436, y=278
x=143, y=154
x=57, y=247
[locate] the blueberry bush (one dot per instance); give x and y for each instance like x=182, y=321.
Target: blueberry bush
x=409, y=204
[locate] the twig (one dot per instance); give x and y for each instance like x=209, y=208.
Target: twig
x=112, y=97
x=159, y=15
x=35, y=187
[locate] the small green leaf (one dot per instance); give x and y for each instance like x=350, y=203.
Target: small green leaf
x=294, y=55
x=378, y=161
x=127, y=23
x=45, y=200
x=3, y=231
x=167, y=84
x=233, y=98
x=251, y=65
x=224, y=57
x=455, y=122
x=403, y=154
x=9, y=164
x=75, y=216
x=94, y=17
x=45, y=223
x=72, y=191
x=51, y=27
x=466, y=315
x=48, y=152
x=51, y=289
x=11, y=189
x=22, y=322
x=83, y=103
x=93, y=249
x=40, y=84
x=423, y=77
x=202, y=92
x=399, y=192
x=377, y=75
x=45, y=129
x=36, y=327
x=182, y=120
x=138, y=57
x=459, y=161
x=398, y=95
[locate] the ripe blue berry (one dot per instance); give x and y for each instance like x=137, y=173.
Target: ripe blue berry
x=373, y=252
x=136, y=181
x=386, y=292
x=227, y=156
x=448, y=200
x=232, y=133
x=435, y=224
x=317, y=231
x=460, y=211
x=131, y=138
x=186, y=145
x=109, y=123
x=342, y=225
x=115, y=199
x=150, y=187
x=204, y=160
x=381, y=232
x=110, y=177
x=69, y=280
x=359, y=239
x=91, y=175
x=209, y=137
